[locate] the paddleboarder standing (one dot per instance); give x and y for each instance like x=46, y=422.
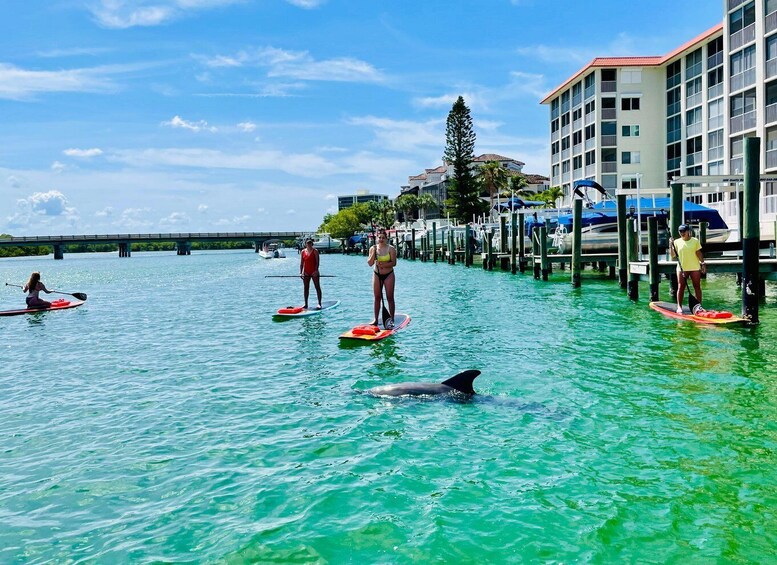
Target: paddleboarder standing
x=309, y=260
x=690, y=263
x=33, y=288
x=383, y=259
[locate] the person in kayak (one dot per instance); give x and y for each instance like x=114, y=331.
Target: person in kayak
x=308, y=269
x=33, y=288
x=690, y=263
x=383, y=257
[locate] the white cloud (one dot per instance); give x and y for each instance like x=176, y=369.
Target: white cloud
x=122, y=14
x=58, y=167
x=41, y=208
x=202, y=208
x=235, y=221
x=403, y=135
x=291, y=212
x=175, y=219
x=261, y=210
x=105, y=212
x=330, y=197
x=22, y=84
x=247, y=127
x=14, y=181
x=299, y=65
x=84, y=153
x=178, y=122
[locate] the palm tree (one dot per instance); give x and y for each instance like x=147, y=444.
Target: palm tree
x=407, y=204
x=494, y=179
x=426, y=201
x=519, y=186
x=552, y=195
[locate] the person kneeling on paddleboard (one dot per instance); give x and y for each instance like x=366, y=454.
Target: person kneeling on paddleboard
x=383, y=259
x=33, y=288
x=690, y=263
x=309, y=259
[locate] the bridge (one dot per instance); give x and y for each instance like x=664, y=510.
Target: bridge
x=183, y=241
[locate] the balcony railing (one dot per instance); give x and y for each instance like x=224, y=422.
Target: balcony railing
x=609, y=86
x=672, y=164
x=565, y=130
x=742, y=37
x=577, y=149
x=771, y=158
x=609, y=140
x=694, y=159
x=577, y=124
x=590, y=170
x=714, y=153
x=554, y=136
x=771, y=113
x=577, y=173
x=590, y=91
x=736, y=165
x=693, y=129
x=734, y=3
x=555, y=158
x=742, y=80
x=590, y=118
x=590, y=143
x=565, y=177
x=609, y=167
x=693, y=100
x=715, y=60
x=770, y=22
x=715, y=122
x=564, y=154
x=771, y=66
x=609, y=113
x=714, y=91
x=577, y=99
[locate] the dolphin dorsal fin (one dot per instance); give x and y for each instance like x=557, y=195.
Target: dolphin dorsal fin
x=463, y=381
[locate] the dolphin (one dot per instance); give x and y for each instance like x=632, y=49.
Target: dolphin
x=461, y=383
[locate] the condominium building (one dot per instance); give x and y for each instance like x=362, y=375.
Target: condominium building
x=361, y=197
x=642, y=121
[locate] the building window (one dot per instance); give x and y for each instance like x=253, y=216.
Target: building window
x=629, y=181
x=673, y=76
x=577, y=137
x=590, y=106
x=741, y=18
x=590, y=158
x=590, y=131
x=577, y=162
x=629, y=103
x=629, y=157
x=693, y=64
x=673, y=129
x=554, y=148
x=630, y=131
x=631, y=76
x=673, y=101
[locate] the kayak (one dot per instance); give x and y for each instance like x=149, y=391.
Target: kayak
x=711, y=317
x=301, y=311
x=60, y=304
x=368, y=332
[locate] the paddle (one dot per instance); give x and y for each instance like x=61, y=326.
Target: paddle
x=384, y=313
x=78, y=295
x=294, y=276
x=692, y=302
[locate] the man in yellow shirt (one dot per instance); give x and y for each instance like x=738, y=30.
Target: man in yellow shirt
x=690, y=263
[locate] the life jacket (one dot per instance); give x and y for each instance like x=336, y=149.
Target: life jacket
x=714, y=314
x=291, y=310
x=365, y=330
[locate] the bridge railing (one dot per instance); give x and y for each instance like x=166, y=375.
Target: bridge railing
x=49, y=239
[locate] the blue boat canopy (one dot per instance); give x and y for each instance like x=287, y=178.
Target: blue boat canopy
x=516, y=203
x=606, y=212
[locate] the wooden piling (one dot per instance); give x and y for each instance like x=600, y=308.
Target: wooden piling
x=622, y=251
x=521, y=243
x=545, y=264
x=577, y=241
x=502, y=234
x=513, y=242
x=751, y=234
x=632, y=286
x=535, y=250
x=654, y=275
x=434, y=242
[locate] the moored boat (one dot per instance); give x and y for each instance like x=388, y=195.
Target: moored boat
x=272, y=249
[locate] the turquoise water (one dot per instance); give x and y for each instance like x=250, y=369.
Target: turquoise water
x=170, y=419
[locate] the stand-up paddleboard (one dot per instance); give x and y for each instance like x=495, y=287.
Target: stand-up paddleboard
x=60, y=304
x=713, y=317
x=367, y=332
x=301, y=311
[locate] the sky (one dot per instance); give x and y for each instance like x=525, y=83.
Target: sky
x=151, y=116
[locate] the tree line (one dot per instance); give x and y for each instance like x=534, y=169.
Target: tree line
x=466, y=188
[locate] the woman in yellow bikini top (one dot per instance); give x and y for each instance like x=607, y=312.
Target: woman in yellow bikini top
x=383, y=258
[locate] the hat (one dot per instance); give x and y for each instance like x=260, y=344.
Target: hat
x=309, y=240
x=682, y=228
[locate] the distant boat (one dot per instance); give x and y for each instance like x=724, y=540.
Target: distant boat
x=325, y=242
x=272, y=249
x=600, y=224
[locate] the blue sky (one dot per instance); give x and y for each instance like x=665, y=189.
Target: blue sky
x=253, y=115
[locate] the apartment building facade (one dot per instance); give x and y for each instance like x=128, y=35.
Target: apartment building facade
x=643, y=121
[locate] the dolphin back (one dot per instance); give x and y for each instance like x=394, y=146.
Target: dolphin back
x=463, y=381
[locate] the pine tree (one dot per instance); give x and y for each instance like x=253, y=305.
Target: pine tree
x=463, y=199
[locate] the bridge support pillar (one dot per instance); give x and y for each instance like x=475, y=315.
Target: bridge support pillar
x=125, y=249
x=184, y=248
x=257, y=246
x=59, y=251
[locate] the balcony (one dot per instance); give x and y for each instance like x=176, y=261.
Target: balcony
x=771, y=158
x=609, y=167
x=742, y=37
x=742, y=122
x=715, y=60
x=609, y=140
x=737, y=165
x=734, y=3
x=565, y=130
x=714, y=91
x=742, y=80
x=770, y=22
x=694, y=159
x=564, y=154
x=693, y=129
x=693, y=100
x=590, y=143
x=590, y=118
x=577, y=124
x=565, y=177
x=554, y=136
x=590, y=91
x=555, y=158
x=714, y=153
x=609, y=86
x=771, y=67
x=590, y=170
x=577, y=100
x=771, y=113
x=577, y=149
x=609, y=113
x=715, y=122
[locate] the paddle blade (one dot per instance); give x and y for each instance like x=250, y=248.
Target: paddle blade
x=386, y=315
x=692, y=301
x=80, y=295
